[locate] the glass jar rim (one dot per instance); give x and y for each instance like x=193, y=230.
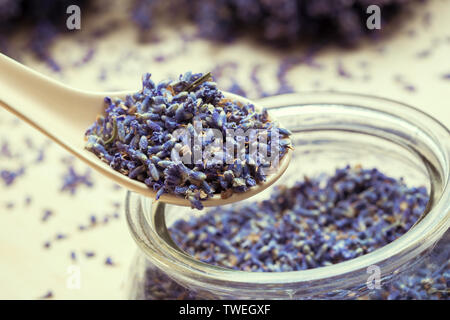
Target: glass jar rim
x=410, y=245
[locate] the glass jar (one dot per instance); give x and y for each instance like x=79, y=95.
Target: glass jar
x=330, y=130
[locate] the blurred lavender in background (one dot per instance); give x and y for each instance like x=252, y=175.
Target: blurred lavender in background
x=283, y=22
x=278, y=22
x=45, y=18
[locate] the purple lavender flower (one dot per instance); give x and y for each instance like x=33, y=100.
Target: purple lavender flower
x=72, y=180
x=314, y=223
x=137, y=137
x=10, y=176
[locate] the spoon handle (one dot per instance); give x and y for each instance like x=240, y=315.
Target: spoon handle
x=19, y=84
x=53, y=108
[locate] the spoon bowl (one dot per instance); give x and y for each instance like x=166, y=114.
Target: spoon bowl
x=64, y=114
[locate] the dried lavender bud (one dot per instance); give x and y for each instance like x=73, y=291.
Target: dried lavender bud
x=72, y=180
x=314, y=223
x=9, y=177
x=185, y=137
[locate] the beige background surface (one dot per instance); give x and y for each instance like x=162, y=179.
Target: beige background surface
x=417, y=55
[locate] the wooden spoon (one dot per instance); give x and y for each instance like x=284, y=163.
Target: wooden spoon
x=63, y=114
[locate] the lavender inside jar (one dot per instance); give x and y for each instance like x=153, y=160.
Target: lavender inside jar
x=330, y=131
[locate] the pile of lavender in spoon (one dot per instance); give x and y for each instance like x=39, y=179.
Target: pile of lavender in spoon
x=187, y=138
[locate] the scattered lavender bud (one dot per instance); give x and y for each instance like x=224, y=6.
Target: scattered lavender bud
x=48, y=295
x=89, y=254
x=61, y=236
x=72, y=180
x=341, y=71
x=5, y=150
x=9, y=176
x=46, y=215
x=41, y=155
x=28, y=200
x=86, y=58
x=410, y=88
x=109, y=261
